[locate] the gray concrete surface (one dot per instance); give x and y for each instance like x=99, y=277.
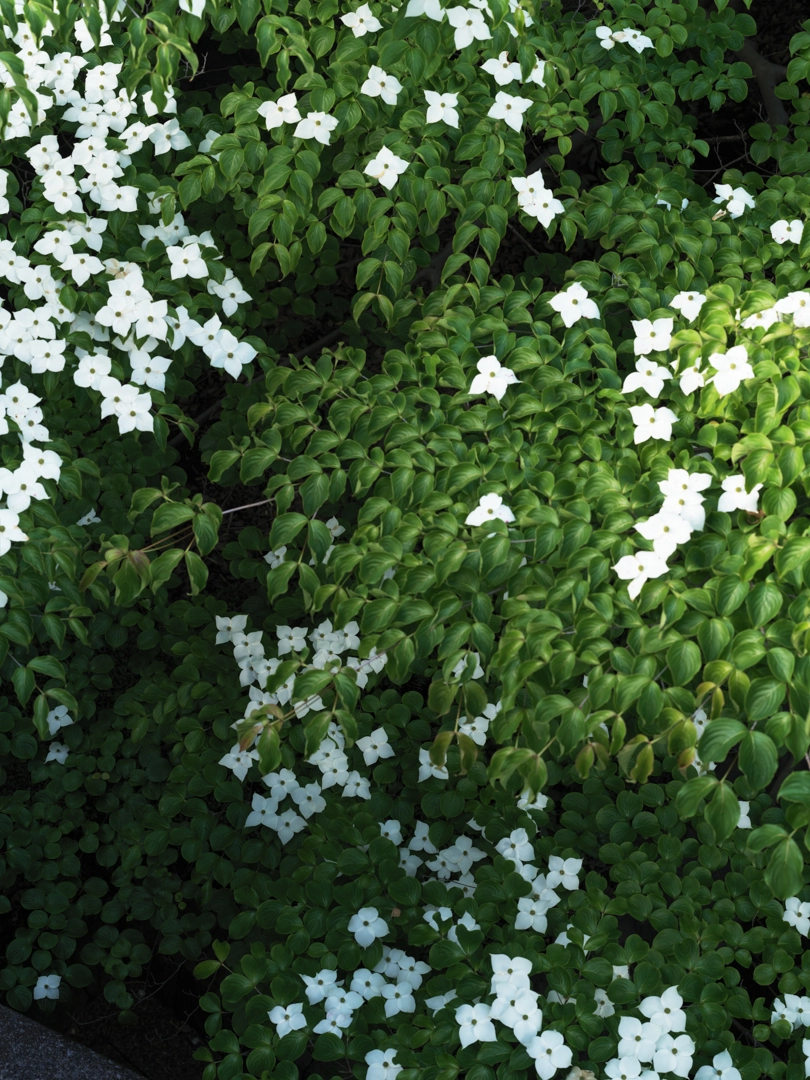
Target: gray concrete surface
x=31, y=1051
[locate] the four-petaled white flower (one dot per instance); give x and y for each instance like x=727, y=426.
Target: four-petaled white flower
x=637, y=569
x=375, y=746
x=316, y=125
x=731, y=367
x=283, y=111
x=287, y=1018
x=797, y=914
x=58, y=718
x=47, y=987
x=736, y=199
x=652, y=336
x=382, y=1065
x=239, y=761
x=735, y=496
x=785, y=232
x=492, y=378
x=386, y=167
x=563, y=872
x=652, y=423
x=489, y=508
x=367, y=926
x=398, y=998
x=510, y=109
x=550, y=1053
x=475, y=1024
x=688, y=303
x=380, y=84
x=721, y=1068
x=665, y=1011
x=666, y=530
x=469, y=25
x=674, y=1054
x=441, y=107
x=360, y=22
x=574, y=304
x=502, y=69
x=648, y=377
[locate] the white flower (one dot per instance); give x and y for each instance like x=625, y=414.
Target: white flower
x=283, y=111
x=427, y=768
x=469, y=24
x=731, y=367
x=787, y=231
x=287, y=1018
x=510, y=109
x=378, y=84
x=309, y=800
x=648, y=377
x=688, y=303
x=638, y=41
x=622, y=1068
x=573, y=304
x=47, y=987
x=431, y=8
x=239, y=761
x=765, y=319
x=187, y=261
x=492, y=378
x=289, y=823
x=666, y=530
x=57, y=752
x=360, y=22
x=674, y=1054
x=680, y=482
x=563, y=872
x=276, y=558
x=475, y=1024
x=489, y=508
x=386, y=167
x=503, y=70
x=652, y=336
x=786, y=1010
x=398, y=998
x=637, y=569
x=796, y=304
x=665, y=1011
x=367, y=926
x=290, y=638
x=58, y=717
x=9, y=532
x=797, y=915
x=441, y=107
x=735, y=497
x=375, y=746
x=721, y=1068
x=652, y=423
x=606, y=37
x=263, y=812
x=638, y=1039
x=604, y=1006
x=382, y=1065
x=316, y=125
x=516, y=846
x=318, y=986
x=550, y=1053
x=692, y=379
x=531, y=915
x=334, y=1021
x=736, y=199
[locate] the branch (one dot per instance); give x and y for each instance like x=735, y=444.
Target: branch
x=768, y=77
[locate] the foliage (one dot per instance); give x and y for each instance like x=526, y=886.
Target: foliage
x=526, y=695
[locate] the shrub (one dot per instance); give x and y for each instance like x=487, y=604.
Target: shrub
x=471, y=746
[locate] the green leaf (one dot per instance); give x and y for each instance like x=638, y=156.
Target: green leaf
x=683, y=660
x=719, y=737
x=763, y=698
x=764, y=837
x=763, y=604
x=758, y=758
x=723, y=812
x=169, y=516
x=784, y=873
x=47, y=665
x=285, y=528
x=197, y=572
x=689, y=796
x=796, y=788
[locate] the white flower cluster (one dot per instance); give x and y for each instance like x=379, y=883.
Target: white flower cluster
x=516, y=1007
x=608, y=38
x=538, y=201
x=794, y=1009
x=136, y=320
